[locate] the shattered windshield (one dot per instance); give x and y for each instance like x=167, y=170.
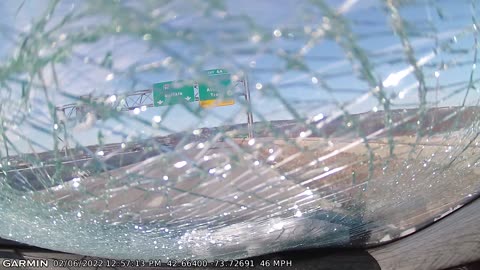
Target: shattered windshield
x=229, y=129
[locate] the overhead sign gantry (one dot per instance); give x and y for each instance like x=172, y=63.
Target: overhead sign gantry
x=216, y=89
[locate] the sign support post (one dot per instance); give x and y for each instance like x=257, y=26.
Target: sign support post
x=246, y=88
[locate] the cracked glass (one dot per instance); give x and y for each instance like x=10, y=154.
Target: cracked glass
x=334, y=124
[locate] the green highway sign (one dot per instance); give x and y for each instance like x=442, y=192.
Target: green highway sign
x=217, y=91
x=170, y=93
x=218, y=71
x=219, y=86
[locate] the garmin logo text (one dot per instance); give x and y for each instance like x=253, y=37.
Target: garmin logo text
x=37, y=263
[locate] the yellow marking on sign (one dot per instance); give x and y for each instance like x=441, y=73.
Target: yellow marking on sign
x=216, y=103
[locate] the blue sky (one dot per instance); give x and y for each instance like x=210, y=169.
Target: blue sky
x=213, y=48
